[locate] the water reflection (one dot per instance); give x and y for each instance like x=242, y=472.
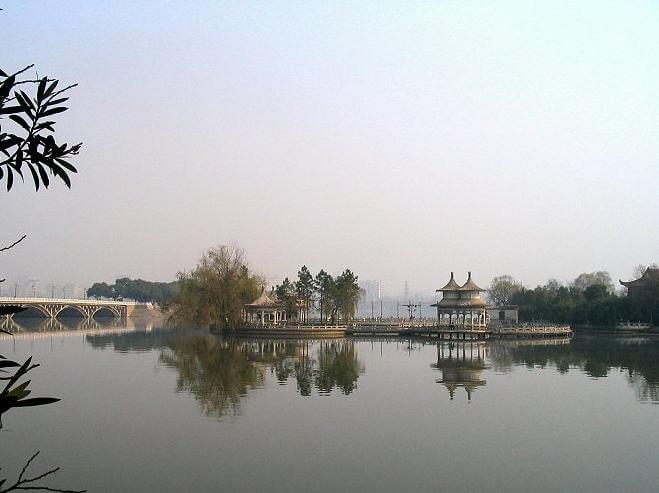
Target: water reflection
x=461, y=366
x=593, y=355
x=220, y=372
x=31, y=325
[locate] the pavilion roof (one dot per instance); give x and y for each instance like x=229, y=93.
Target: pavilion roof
x=451, y=285
x=647, y=275
x=470, y=285
x=263, y=301
x=461, y=303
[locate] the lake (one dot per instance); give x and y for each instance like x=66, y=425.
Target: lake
x=151, y=409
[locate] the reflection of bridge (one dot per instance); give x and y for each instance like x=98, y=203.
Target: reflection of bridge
x=51, y=308
x=36, y=325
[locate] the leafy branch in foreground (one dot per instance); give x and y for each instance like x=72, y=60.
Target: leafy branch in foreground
x=14, y=394
x=26, y=138
x=28, y=483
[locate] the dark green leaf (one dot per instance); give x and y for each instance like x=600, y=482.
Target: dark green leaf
x=51, y=88
x=10, y=109
x=27, y=99
x=10, y=179
x=56, y=101
x=36, y=401
x=52, y=111
x=41, y=89
x=35, y=178
x=62, y=174
x=43, y=175
x=5, y=87
x=25, y=367
x=18, y=119
x=68, y=166
x=21, y=391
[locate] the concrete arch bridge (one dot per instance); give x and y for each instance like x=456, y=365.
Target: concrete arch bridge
x=51, y=308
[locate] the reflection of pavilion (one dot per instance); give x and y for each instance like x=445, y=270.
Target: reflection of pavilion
x=461, y=366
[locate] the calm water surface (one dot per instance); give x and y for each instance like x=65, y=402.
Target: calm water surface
x=148, y=409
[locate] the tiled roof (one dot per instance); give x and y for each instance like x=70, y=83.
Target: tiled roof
x=470, y=285
x=649, y=272
x=451, y=285
x=263, y=301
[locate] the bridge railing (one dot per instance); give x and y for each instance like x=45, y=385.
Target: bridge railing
x=67, y=301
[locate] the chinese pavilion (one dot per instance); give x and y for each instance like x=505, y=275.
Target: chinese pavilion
x=638, y=287
x=462, y=306
x=264, y=310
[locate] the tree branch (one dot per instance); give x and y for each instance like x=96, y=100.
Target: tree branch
x=24, y=483
x=13, y=245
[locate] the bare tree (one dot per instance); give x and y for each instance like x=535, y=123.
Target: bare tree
x=502, y=289
x=640, y=269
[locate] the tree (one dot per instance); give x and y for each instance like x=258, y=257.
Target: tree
x=323, y=283
x=214, y=293
x=285, y=293
x=344, y=295
x=26, y=137
x=305, y=289
x=587, y=279
x=101, y=290
x=502, y=289
x=135, y=289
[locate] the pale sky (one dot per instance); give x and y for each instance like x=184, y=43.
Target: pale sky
x=403, y=140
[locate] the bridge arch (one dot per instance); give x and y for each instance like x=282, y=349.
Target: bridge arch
x=61, y=309
x=33, y=311
x=102, y=311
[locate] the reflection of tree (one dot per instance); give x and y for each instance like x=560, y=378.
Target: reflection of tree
x=338, y=366
x=219, y=372
x=596, y=356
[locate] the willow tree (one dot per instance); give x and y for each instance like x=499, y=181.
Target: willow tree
x=214, y=292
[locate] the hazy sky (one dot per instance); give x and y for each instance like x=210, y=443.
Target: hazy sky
x=400, y=139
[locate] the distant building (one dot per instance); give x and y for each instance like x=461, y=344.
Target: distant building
x=372, y=290
x=637, y=289
x=508, y=314
x=462, y=305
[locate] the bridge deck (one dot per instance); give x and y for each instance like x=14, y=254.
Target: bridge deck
x=52, y=307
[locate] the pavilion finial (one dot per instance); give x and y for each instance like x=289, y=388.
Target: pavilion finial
x=451, y=274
